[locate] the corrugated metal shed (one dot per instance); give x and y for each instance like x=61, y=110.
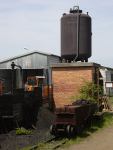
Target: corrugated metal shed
x=107, y=76
x=32, y=60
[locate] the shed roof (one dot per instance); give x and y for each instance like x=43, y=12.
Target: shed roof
x=27, y=54
x=108, y=68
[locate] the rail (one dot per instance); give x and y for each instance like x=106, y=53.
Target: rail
x=51, y=144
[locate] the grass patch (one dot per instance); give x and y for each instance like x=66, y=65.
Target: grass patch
x=23, y=131
x=111, y=100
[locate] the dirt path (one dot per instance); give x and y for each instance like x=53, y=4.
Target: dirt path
x=101, y=140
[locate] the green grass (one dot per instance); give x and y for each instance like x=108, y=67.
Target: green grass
x=23, y=131
x=97, y=125
x=111, y=99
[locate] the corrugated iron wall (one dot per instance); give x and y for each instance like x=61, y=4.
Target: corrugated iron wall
x=33, y=61
x=31, y=66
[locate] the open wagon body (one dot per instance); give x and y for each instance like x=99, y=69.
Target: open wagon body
x=71, y=118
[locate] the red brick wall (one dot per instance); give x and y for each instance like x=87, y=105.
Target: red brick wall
x=67, y=83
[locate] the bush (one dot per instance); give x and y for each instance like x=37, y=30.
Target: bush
x=90, y=91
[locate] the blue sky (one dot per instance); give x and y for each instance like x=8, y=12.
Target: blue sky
x=35, y=25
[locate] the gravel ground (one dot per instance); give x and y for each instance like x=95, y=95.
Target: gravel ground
x=11, y=141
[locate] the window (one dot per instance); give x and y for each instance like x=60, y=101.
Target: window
x=111, y=77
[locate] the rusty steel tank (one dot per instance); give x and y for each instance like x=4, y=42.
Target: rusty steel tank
x=76, y=36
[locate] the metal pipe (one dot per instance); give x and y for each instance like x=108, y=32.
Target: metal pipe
x=13, y=65
x=78, y=29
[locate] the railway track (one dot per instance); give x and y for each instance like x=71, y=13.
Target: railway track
x=51, y=144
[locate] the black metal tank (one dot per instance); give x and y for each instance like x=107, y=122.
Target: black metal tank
x=76, y=35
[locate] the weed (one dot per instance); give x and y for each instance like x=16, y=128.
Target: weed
x=23, y=131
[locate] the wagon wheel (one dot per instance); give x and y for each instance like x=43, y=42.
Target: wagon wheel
x=53, y=130
x=80, y=129
x=70, y=130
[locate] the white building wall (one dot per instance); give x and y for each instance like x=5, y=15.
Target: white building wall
x=106, y=75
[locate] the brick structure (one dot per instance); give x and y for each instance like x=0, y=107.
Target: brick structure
x=67, y=79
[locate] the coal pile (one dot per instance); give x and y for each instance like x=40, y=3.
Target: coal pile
x=11, y=141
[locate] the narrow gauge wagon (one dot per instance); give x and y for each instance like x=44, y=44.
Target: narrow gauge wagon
x=71, y=119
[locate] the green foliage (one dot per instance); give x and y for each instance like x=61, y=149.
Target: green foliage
x=90, y=91
x=108, y=119
x=23, y=131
